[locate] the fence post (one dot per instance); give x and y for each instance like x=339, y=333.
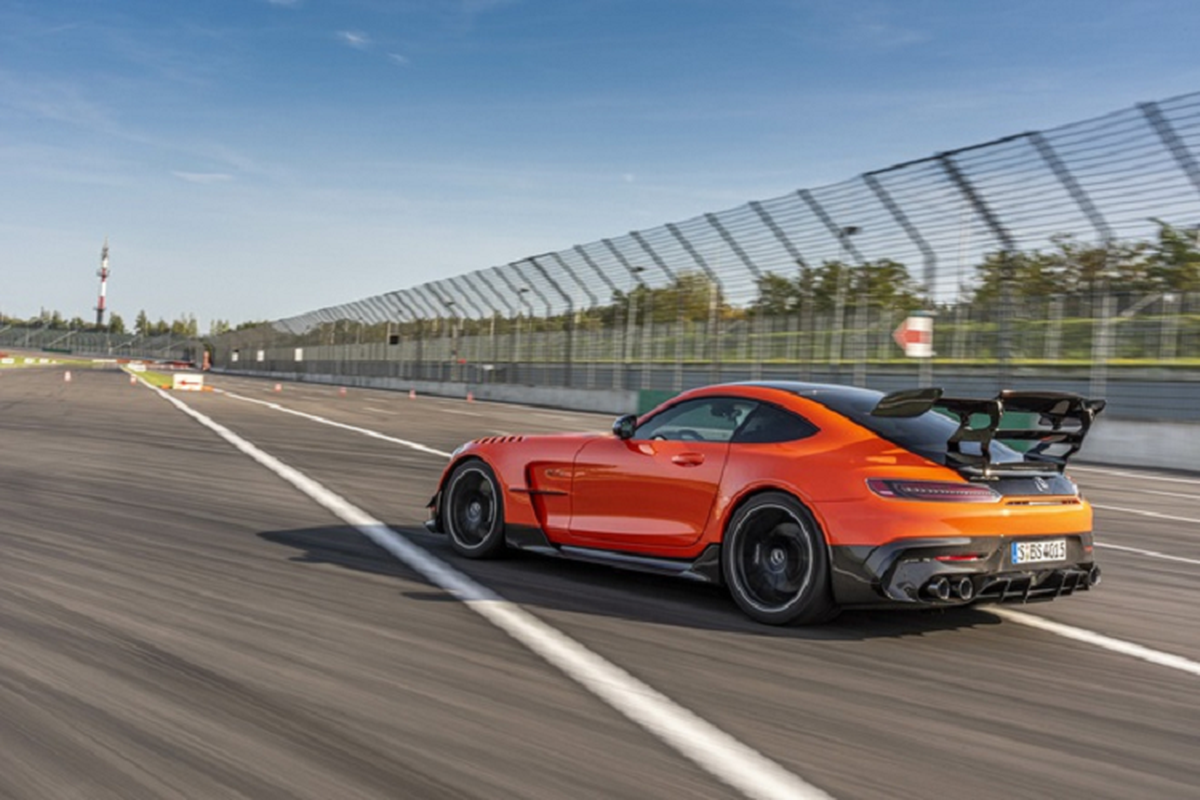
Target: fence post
x=513, y=332
x=570, y=355
x=618, y=363
x=519, y=293
x=843, y=234
x=1005, y=343
x=797, y=259
x=671, y=276
x=591, y=362
x=928, y=256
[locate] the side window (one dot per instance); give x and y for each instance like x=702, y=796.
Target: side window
x=709, y=419
x=768, y=424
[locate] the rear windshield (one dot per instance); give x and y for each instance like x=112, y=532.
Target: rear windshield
x=926, y=435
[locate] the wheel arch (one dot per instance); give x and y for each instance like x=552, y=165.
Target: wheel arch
x=767, y=488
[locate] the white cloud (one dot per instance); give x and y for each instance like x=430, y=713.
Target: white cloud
x=396, y=58
x=356, y=39
x=203, y=178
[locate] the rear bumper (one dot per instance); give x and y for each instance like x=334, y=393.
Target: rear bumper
x=957, y=571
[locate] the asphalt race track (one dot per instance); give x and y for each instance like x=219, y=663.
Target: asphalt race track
x=179, y=621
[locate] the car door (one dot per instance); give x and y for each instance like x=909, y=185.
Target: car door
x=657, y=489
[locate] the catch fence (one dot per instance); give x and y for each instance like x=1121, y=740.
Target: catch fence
x=1073, y=250
x=69, y=341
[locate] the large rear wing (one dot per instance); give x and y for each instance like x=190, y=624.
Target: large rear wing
x=1047, y=427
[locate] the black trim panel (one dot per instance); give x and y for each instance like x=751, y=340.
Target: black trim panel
x=867, y=576
x=706, y=568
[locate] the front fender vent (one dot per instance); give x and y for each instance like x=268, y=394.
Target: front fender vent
x=499, y=440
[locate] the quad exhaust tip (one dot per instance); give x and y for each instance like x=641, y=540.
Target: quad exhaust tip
x=944, y=589
x=1094, y=576
x=938, y=589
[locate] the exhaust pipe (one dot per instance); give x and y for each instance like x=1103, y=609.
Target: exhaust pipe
x=964, y=589
x=1094, y=576
x=939, y=589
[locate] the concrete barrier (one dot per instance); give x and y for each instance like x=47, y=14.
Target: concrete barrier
x=1137, y=443
x=601, y=401
x=1140, y=443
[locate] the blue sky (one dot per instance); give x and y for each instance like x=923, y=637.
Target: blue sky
x=255, y=159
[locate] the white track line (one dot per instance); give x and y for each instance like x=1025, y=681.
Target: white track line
x=375, y=410
x=1142, y=513
x=1100, y=640
x=324, y=421
x=710, y=748
x=1141, y=475
x=1150, y=553
x=1166, y=494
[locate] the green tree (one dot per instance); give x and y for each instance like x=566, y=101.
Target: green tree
x=777, y=295
x=142, y=324
x=1174, y=261
x=116, y=324
x=185, y=325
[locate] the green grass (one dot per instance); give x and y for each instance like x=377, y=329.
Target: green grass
x=162, y=380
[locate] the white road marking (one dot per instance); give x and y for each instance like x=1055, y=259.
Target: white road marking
x=364, y=431
x=375, y=410
x=460, y=413
x=709, y=747
x=1165, y=494
x=1151, y=553
x=1100, y=640
x=1142, y=513
x=1142, y=475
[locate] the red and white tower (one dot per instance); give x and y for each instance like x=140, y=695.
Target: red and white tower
x=103, y=273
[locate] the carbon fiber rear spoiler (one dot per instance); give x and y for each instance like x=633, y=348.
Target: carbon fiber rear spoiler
x=1055, y=423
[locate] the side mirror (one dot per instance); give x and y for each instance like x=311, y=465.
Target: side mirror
x=623, y=426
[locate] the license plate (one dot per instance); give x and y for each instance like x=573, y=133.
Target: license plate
x=1032, y=552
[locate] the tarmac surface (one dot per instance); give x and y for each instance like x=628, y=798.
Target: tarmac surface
x=176, y=621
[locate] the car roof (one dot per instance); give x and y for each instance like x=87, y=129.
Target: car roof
x=825, y=393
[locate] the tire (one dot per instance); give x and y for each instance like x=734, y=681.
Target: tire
x=473, y=511
x=776, y=564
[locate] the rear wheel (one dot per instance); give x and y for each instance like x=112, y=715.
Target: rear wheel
x=473, y=513
x=776, y=564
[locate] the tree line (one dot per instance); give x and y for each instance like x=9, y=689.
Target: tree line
x=184, y=326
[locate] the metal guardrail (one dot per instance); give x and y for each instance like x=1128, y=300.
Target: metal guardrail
x=1075, y=247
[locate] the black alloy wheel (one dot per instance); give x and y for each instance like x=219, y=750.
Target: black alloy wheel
x=473, y=515
x=776, y=564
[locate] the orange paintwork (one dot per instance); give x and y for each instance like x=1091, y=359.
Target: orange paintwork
x=674, y=498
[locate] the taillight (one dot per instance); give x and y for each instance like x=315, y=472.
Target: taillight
x=934, y=491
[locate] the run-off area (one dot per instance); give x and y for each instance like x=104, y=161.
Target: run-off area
x=180, y=621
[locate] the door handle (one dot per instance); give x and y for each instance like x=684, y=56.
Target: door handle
x=688, y=459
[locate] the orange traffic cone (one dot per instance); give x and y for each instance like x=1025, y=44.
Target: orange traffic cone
x=279, y=387
x=342, y=391
x=133, y=380
x=412, y=394
x=470, y=397
x=67, y=376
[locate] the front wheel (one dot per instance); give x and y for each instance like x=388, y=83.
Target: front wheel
x=776, y=564
x=474, y=511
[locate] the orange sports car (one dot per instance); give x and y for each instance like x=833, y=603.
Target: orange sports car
x=801, y=498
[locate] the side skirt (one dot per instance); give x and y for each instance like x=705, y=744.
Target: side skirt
x=706, y=568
